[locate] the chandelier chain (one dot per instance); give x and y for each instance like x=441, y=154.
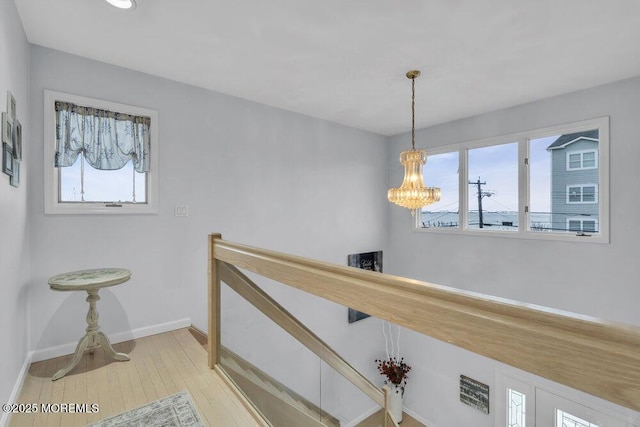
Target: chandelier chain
x=413, y=113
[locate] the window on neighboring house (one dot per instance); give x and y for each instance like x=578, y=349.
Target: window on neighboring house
x=531, y=184
x=100, y=157
x=578, y=160
x=583, y=193
x=582, y=225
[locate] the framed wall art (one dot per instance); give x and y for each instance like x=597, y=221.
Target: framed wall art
x=14, y=180
x=7, y=129
x=11, y=106
x=17, y=140
x=11, y=141
x=7, y=159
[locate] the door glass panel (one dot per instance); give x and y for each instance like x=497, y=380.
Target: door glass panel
x=565, y=419
x=516, y=408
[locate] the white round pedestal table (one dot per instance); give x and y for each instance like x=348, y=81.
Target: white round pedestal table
x=90, y=281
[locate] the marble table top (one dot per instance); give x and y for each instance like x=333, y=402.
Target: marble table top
x=89, y=279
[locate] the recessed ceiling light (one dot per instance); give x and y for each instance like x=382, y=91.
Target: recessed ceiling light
x=122, y=4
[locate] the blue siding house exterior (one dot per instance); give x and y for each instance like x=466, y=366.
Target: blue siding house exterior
x=574, y=182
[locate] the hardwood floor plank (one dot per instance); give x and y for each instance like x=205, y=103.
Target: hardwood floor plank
x=94, y=363
x=152, y=374
x=137, y=389
x=199, y=358
x=160, y=367
x=75, y=390
x=44, y=379
x=140, y=364
x=29, y=395
x=184, y=377
x=54, y=419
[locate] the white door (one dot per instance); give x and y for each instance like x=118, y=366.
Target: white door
x=556, y=411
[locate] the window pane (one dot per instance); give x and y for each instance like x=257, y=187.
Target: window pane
x=562, y=171
x=575, y=194
x=441, y=171
x=516, y=408
x=565, y=419
x=589, y=194
x=101, y=186
x=574, y=161
x=589, y=226
x=493, y=188
x=540, y=184
x=589, y=160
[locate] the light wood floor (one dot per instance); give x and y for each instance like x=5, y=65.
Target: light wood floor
x=160, y=365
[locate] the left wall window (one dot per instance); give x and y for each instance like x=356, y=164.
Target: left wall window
x=99, y=157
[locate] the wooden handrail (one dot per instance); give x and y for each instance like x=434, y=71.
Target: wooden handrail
x=595, y=356
x=240, y=283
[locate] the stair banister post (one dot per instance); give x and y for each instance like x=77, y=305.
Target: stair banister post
x=387, y=398
x=213, y=343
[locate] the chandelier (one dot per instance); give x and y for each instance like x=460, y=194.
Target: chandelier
x=412, y=193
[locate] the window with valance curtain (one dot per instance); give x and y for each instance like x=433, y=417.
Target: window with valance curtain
x=106, y=140
x=100, y=157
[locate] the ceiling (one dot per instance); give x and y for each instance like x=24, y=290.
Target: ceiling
x=345, y=60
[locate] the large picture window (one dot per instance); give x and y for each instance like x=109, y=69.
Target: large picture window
x=100, y=157
x=547, y=183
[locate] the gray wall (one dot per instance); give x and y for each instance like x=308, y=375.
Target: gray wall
x=534, y=271
x=259, y=175
x=14, y=254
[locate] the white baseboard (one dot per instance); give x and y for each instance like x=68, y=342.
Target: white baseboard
x=4, y=420
x=64, y=349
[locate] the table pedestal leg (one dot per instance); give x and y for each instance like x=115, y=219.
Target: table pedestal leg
x=92, y=339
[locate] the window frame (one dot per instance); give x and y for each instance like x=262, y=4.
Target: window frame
x=523, y=139
x=52, y=203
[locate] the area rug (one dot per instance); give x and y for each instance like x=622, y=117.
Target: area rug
x=176, y=410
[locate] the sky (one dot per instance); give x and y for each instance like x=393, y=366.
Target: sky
x=118, y=187
x=497, y=166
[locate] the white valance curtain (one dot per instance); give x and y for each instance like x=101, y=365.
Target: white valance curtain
x=106, y=139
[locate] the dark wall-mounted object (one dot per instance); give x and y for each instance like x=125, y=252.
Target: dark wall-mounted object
x=366, y=261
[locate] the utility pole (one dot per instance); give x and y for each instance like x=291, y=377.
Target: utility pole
x=481, y=194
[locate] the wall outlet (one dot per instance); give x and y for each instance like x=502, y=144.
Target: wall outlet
x=181, y=210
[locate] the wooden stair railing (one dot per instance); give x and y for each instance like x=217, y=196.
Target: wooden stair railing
x=589, y=354
x=240, y=283
x=220, y=271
